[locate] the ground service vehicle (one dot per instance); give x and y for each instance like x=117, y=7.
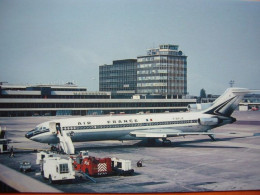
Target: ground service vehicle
x=122, y=167
x=4, y=146
x=93, y=166
x=44, y=155
x=25, y=166
x=3, y=142
x=58, y=169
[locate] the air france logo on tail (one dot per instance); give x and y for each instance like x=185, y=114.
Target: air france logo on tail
x=216, y=109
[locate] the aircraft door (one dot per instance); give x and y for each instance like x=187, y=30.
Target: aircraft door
x=55, y=128
x=52, y=126
x=58, y=128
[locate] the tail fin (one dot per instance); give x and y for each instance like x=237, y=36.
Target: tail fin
x=227, y=102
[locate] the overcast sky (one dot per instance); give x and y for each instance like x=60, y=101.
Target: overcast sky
x=55, y=41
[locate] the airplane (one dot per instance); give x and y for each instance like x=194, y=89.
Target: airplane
x=140, y=126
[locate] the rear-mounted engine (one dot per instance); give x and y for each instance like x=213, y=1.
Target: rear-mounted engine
x=209, y=121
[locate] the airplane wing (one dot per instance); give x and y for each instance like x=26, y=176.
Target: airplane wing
x=165, y=133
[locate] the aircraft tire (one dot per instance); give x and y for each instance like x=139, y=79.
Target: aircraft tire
x=166, y=142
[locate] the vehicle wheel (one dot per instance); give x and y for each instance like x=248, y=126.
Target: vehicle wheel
x=50, y=180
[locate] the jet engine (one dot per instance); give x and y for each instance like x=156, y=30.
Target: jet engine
x=199, y=107
x=209, y=121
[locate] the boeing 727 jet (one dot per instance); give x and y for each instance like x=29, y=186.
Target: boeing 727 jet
x=139, y=126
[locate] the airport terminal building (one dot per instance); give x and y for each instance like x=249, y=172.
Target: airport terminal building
x=162, y=71
x=120, y=76
x=69, y=99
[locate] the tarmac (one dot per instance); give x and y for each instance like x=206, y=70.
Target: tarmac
x=193, y=163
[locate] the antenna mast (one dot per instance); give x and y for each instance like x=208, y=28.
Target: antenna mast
x=231, y=83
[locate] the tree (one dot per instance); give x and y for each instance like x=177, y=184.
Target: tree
x=203, y=93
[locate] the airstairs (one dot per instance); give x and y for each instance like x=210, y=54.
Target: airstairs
x=66, y=143
x=64, y=138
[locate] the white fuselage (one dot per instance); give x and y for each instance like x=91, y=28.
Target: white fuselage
x=118, y=127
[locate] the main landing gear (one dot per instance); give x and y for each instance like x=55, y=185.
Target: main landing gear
x=154, y=142
x=212, y=137
x=166, y=142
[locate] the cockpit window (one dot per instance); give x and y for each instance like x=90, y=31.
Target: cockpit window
x=37, y=130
